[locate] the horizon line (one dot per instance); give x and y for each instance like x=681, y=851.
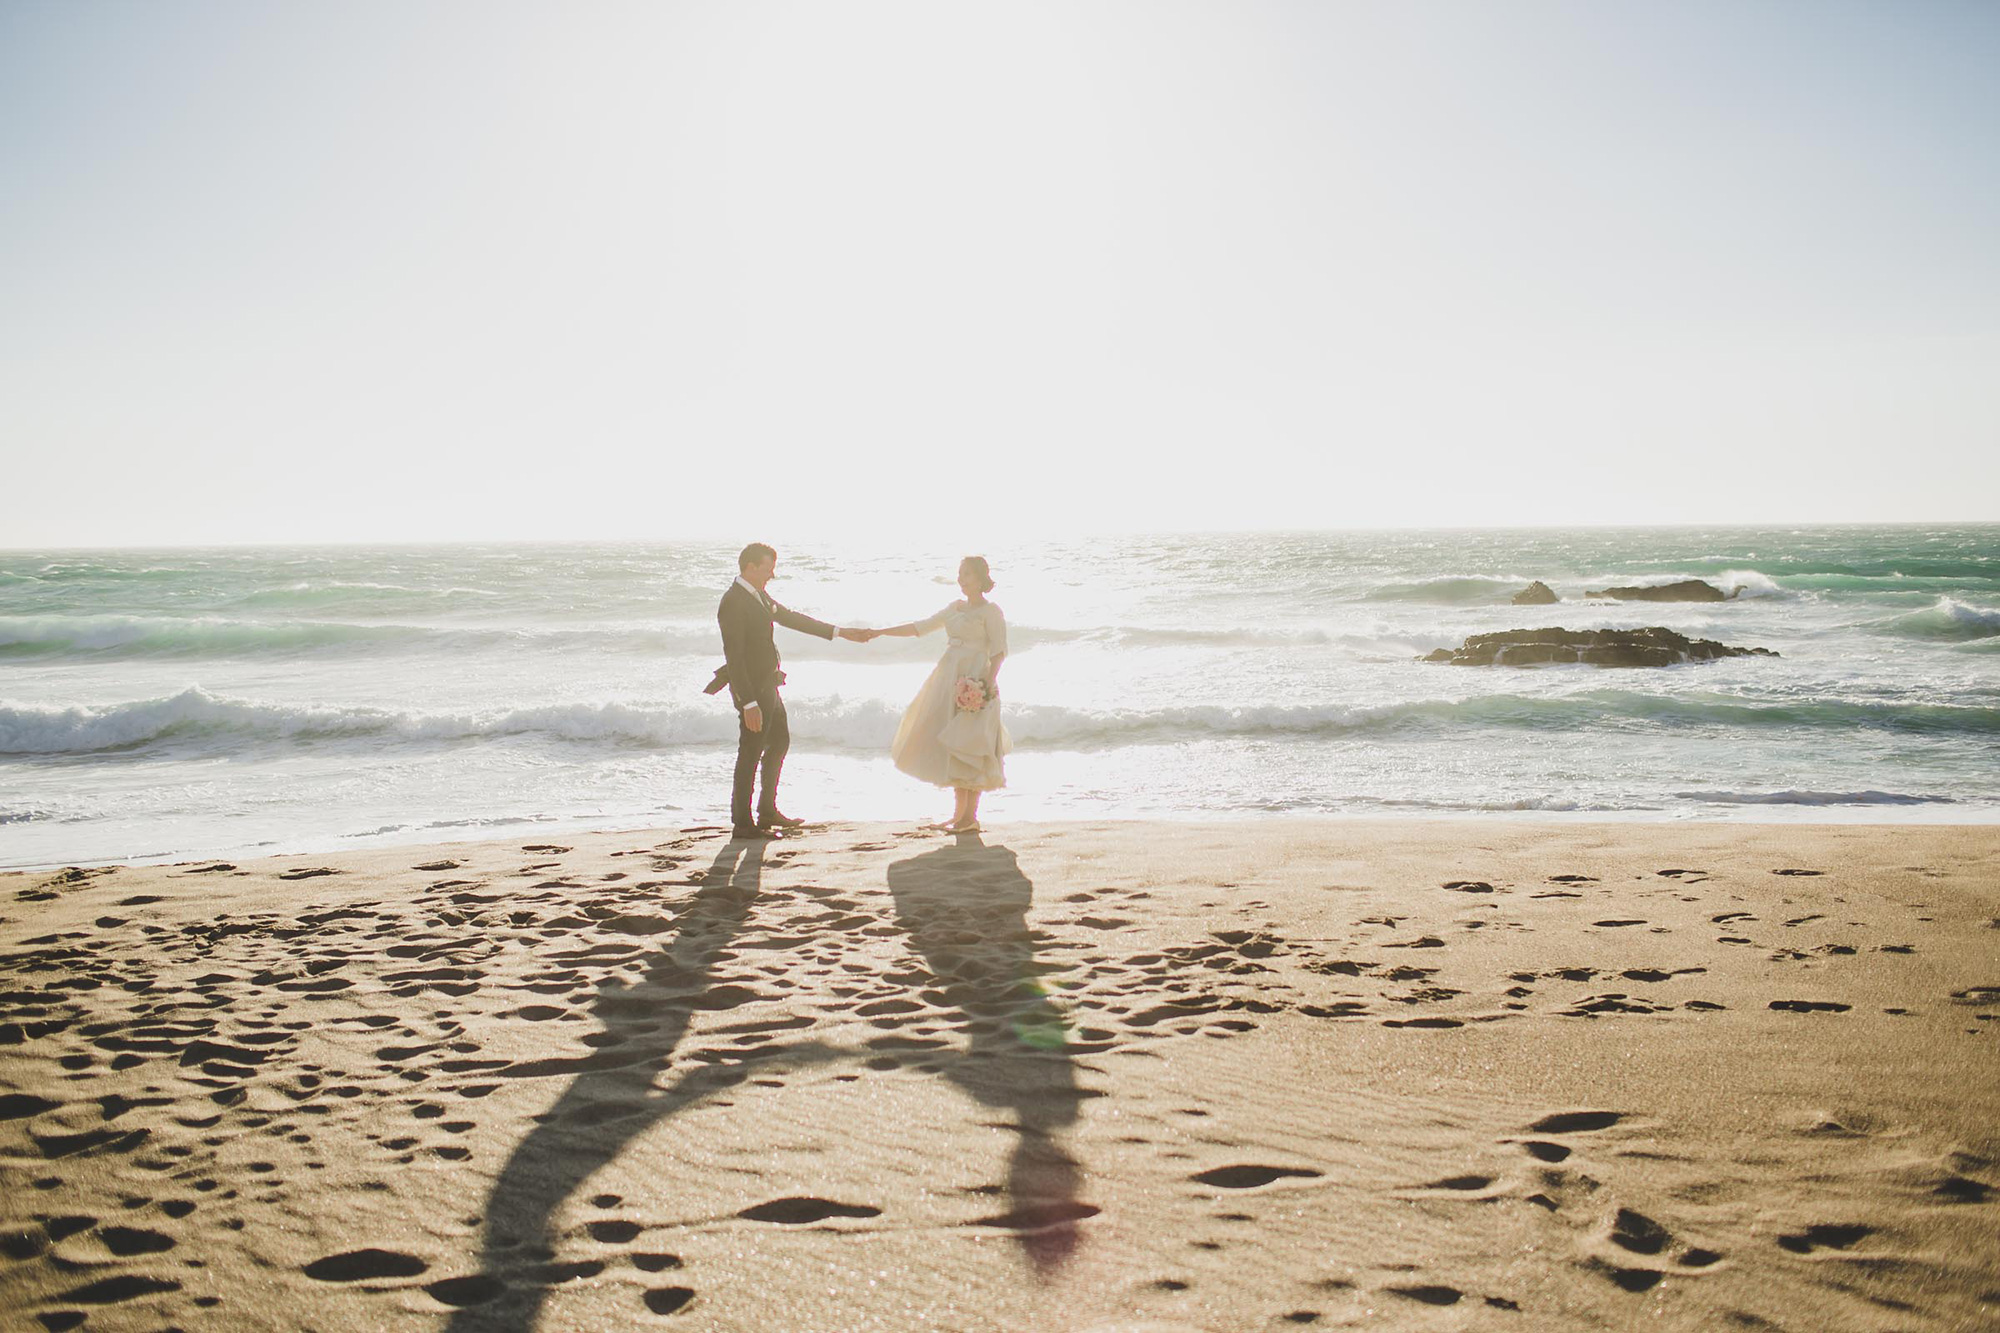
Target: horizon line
x=819, y=536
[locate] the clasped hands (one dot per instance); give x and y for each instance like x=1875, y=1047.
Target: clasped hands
x=859, y=635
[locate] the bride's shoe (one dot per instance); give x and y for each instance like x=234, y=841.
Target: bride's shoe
x=973, y=827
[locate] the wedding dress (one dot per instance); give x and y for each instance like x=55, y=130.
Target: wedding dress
x=938, y=742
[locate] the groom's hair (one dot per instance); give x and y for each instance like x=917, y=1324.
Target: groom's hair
x=756, y=553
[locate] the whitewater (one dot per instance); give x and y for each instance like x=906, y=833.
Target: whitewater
x=167, y=704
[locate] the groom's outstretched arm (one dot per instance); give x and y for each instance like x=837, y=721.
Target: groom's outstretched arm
x=804, y=624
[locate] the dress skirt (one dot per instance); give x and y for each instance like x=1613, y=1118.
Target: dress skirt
x=941, y=745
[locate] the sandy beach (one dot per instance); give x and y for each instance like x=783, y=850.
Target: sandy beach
x=1135, y=1076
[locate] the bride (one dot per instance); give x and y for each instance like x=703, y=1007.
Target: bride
x=951, y=734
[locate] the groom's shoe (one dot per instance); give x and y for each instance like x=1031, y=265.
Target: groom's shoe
x=774, y=820
x=753, y=833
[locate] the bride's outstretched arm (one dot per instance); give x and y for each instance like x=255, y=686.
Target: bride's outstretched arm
x=916, y=627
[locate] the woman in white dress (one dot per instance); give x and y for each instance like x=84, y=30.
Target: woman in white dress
x=940, y=741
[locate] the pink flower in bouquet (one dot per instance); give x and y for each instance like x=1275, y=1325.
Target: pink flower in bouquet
x=970, y=694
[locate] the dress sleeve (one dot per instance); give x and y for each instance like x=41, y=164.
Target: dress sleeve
x=996, y=631
x=934, y=622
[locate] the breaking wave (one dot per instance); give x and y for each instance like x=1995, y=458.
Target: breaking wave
x=196, y=717
x=160, y=636
x=1453, y=590
x=1947, y=618
x=1812, y=798
x=126, y=636
x=1499, y=589
x=1747, y=583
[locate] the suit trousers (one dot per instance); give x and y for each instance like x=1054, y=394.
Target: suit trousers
x=766, y=747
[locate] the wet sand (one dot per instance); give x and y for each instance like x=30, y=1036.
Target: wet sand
x=1277, y=1074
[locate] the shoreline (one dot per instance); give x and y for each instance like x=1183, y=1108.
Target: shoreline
x=1749, y=815
x=1114, y=1074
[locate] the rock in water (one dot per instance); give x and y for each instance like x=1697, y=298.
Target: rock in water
x=1592, y=647
x=1537, y=593
x=1687, y=590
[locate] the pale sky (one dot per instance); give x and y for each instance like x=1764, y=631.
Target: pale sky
x=389, y=271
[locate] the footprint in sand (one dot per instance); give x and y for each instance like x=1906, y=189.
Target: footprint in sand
x=1825, y=1237
x=614, y=1231
x=1576, y=1122
x=464, y=1291
x=1634, y=1280
x=365, y=1265
x=17, y=1105
x=1429, y=1294
x=1960, y=1189
x=128, y=1241
x=801, y=1211
x=668, y=1300
x=60, y=1229
x=1253, y=1177
x=1638, y=1233
x=113, y=1290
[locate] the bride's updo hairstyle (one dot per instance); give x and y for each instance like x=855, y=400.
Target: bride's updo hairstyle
x=975, y=565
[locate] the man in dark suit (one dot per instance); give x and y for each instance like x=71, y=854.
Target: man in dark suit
x=750, y=669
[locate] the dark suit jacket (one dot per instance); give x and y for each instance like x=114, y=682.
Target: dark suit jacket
x=750, y=665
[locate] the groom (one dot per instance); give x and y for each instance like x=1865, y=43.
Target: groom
x=750, y=669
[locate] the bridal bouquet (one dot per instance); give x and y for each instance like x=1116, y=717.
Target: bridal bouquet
x=971, y=694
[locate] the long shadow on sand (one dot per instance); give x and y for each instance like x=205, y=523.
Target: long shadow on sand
x=613, y=1097
x=965, y=907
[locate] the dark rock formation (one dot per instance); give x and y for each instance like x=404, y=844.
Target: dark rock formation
x=1687, y=590
x=1537, y=593
x=1592, y=647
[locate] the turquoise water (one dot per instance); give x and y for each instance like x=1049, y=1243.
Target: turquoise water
x=203, y=702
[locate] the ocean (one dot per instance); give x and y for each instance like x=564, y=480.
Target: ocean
x=173, y=704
